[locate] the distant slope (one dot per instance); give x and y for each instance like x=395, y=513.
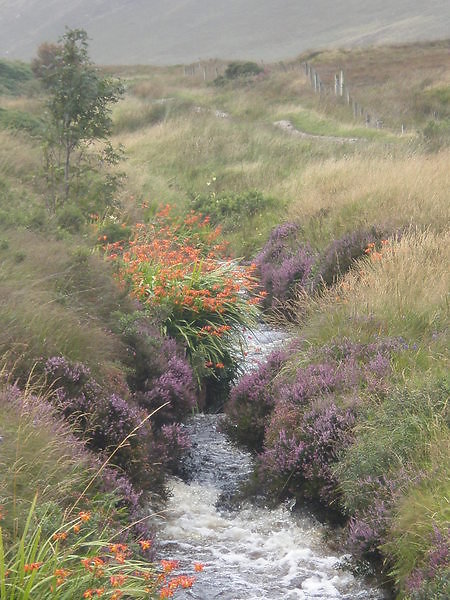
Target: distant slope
x=181, y=31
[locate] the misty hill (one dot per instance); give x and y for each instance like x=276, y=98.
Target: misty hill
x=181, y=31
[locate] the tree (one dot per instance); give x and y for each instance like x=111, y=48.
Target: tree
x=79, y=110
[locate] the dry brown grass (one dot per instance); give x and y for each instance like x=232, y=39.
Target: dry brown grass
x=404, y=292
x=337, y=196
x=389, y=79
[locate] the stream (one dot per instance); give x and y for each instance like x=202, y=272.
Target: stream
x=249, y=552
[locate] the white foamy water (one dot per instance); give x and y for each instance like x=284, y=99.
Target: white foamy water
x=249, y=552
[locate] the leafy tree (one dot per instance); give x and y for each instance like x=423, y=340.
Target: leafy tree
x=79, y=112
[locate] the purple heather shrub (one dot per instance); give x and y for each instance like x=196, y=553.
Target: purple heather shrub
x=115, y=481
x=174, y=386
x=368, y=528
x=285, y=263
x=340, y=255
x=301, y=447
x=172, y=444
x=252, y=401
x=159, y=372
x=103, y=420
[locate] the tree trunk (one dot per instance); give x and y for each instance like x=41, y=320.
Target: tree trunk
x=67, y=173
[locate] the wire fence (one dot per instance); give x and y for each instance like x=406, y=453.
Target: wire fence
x=339, y=88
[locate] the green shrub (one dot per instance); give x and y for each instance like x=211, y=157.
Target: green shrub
x=71, y=218
x=19, y=120
x=390, y=437
x=225, y=208
x=13, y=76
x=242, y=69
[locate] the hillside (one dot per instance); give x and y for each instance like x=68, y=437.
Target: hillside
x=175, y=31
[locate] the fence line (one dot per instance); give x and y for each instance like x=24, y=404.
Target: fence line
x=204, y=70
x=210, y=69
x=340, y=89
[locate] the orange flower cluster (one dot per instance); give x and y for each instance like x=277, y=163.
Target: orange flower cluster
x=183, y=581
x=94, y=592
x=102, y=573
x=145, y=544
x=61, y=575
x=165, y=262
x=177, y=265
x=28, y=568
x=120, y=552
x=94, y=565
x=372, y=251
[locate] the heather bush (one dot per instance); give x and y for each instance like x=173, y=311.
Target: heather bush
x=369, y=525
x=103, y=420
x=174, y=390
x=173, y=445
x=285, y=264
x=159, y=373
x=340, y=255
x=251, y=402
x=301, y=446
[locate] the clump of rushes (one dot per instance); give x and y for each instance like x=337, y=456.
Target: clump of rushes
x=180, y=273
x=78, y=561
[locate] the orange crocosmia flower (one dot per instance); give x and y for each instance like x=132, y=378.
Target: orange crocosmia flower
x=165, y=593
x=88, y=594
x=145, y=544
x=199, y=566
x=85, y=516
x=186, y=582
x=116, y=595
x=220, y=365
x=60, y=536
x=61, y=576
x=169, y=565
x=76, y=528
x=32, y=567
x=117, y=580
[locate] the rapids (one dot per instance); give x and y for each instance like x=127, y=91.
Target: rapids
x=249, y=552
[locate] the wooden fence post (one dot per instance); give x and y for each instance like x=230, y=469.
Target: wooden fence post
x=341, y=83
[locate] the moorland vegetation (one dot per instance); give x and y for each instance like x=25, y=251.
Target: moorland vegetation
x=121, y=307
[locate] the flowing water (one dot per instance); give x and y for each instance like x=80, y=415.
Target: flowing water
x=250, y=552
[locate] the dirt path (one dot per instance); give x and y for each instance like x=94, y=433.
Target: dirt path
x=288, y=127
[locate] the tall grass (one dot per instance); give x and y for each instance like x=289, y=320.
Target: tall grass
x=338, y=196
x=403, y=292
